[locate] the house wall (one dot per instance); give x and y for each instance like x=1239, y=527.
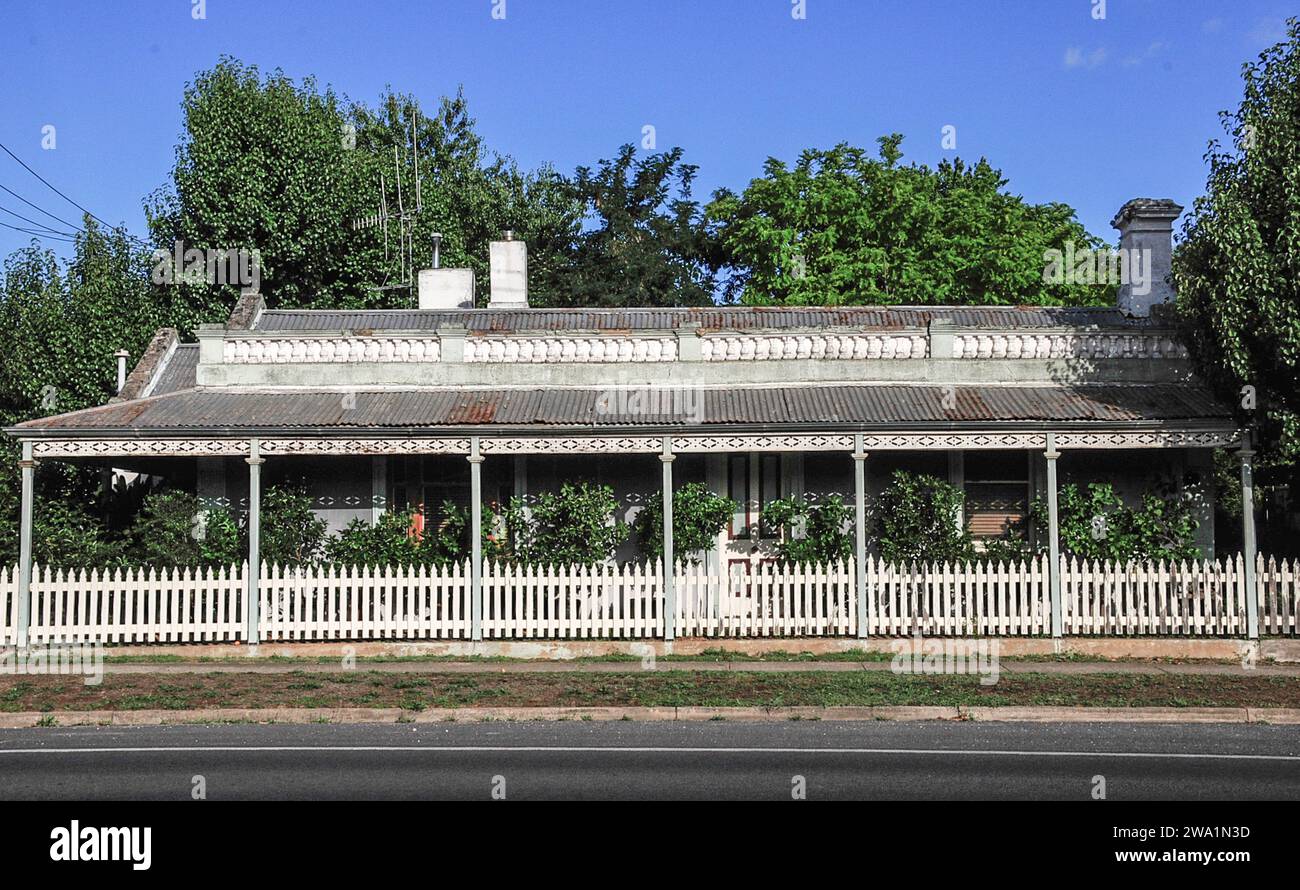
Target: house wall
x=341, y=487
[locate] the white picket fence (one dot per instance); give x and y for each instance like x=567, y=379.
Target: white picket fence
x=123, y=606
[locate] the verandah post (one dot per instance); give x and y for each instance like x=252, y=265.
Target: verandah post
x=476, y=540
x=254, y=461
x=24, y=605
x=669, y=561
x=1054, y=539
x=860, y=535
x=1248, y=545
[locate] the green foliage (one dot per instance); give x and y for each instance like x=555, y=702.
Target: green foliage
x=470, y=194
x=842, y=228
x=63, y=324
x=1095, y=523
x=699, y=515
x=390, y=542
x=220, y=543
x=811, y=533
x=918, y=520
x=291, y=534
x=284, y=168
x=1237, y=268
x=575, y=526
x=173, y=529
x=66, y=534
x=645, y=243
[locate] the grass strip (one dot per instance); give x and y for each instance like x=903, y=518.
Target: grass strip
x=362, y=688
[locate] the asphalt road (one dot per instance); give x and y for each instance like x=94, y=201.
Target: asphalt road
x=643, y=761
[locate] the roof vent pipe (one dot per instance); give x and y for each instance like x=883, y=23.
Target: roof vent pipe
x=122, y=355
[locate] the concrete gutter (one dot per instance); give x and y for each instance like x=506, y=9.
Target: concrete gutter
x=1279, y=649
x=1058, y=668
x=1281, y=716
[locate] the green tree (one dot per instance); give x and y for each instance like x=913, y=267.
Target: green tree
x=645, y=242
x=285, y=168
x=843, y=228
x=470, y=195
x=1237, y=268
x=811, y=533
x=63, y=322
x=699, y=514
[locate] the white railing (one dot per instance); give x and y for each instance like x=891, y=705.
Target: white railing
x=1198, y=599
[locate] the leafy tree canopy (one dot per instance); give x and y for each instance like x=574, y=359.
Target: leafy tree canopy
x=1237, y=268
x=843, y=228
x=645, y=242
x=286, y=168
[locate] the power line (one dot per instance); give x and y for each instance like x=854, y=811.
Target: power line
x=35, y=223
x=41, y=209
x=52, y=188
x=44, y=236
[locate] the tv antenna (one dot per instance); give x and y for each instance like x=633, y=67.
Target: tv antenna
x=404, y=218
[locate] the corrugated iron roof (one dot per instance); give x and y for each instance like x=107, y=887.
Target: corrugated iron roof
x=850, y=404
x=179, y=371
x=708, y=318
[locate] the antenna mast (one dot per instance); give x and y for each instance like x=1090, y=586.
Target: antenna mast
x=405, y=218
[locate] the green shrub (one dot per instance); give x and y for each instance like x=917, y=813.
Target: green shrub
x=699, y=515
x=575, y=526
x=811, y=533
x=291, y=534
x=66, y=534
x=918, y=520
x=1095, y=523
x=389, y=541
x=173, y=529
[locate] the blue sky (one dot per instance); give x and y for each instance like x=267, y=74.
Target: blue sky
x=1071, y=108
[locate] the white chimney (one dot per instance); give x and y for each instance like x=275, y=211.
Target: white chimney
x=508, y=265
x=1146, y=230
x=446, y=288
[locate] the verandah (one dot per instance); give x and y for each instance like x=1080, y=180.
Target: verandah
x=469, y=602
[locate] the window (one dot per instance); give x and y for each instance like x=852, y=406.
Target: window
x=427, y=481
x=997, y=491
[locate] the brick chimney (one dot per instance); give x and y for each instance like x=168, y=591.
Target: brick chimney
x=1146, y=230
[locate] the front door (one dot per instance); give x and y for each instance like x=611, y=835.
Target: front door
x=753, y=481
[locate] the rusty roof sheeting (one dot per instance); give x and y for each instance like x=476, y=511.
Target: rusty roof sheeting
x=710, y=318
x=848, y=404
